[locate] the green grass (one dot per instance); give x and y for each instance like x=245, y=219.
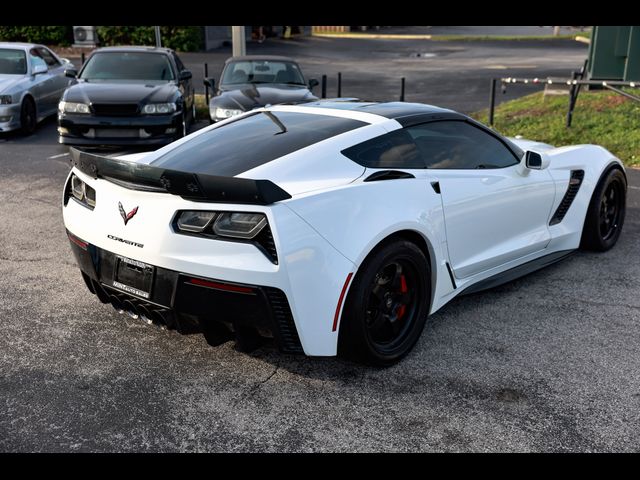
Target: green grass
x=601, y=117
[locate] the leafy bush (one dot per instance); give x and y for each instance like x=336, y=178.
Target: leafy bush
x=62, y=36
x=186, y=39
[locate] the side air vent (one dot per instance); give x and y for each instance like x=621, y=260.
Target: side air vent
x=387, y=175
x=289, y=340
x=574, y=185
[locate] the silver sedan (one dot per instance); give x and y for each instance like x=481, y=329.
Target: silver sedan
x=32, y=79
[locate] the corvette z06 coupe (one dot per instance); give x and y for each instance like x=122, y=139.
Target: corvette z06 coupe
x=333, y=227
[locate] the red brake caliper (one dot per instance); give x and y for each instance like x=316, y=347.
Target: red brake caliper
x=403, y=290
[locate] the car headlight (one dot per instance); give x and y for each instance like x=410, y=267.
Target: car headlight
x=159, y=108
x=73, y=107
x=80, y=191
x=5, y=100
x=226, y=112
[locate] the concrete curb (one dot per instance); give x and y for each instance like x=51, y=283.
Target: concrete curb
x=368, y=36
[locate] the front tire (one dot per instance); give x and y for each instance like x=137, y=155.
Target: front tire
x=387, y=305
x=606, y=212
x=28, y=118
x=181, y=130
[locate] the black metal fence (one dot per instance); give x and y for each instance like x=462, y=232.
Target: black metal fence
x=575, y=83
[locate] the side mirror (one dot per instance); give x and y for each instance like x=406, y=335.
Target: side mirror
x=70, y=72
x=185, y=75
x=40, y=68
x=313, y=83
x=210, y=82
x=535, y=160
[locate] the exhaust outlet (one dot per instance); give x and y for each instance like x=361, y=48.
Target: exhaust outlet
x=116, y=303
x=130, y=309
x=145, y=314
x=159, y=318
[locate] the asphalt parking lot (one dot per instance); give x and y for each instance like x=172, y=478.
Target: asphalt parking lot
x=548, y=362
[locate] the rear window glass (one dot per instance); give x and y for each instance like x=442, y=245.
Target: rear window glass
x=252, y=141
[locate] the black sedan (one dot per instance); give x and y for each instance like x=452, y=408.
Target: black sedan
x=253, y=81
x=127, y=96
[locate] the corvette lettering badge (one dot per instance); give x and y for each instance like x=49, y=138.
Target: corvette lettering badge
x=126, y=216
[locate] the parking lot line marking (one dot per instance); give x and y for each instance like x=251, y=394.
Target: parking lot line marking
x=58, y=156
x=635, y=188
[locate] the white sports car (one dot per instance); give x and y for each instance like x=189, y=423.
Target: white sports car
x=334, y=227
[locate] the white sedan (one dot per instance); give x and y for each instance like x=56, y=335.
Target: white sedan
x=334, y=227
x=32, y=79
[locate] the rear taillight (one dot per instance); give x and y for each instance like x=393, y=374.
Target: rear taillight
x=80, y=192
x=250, y=227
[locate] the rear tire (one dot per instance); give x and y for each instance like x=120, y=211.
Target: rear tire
x=387, y=305
x=28, y=119
x=606, y=212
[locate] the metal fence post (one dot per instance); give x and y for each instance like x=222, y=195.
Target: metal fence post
x=572, y=96
x=324, y=86
x=492, y=100
x=402, y=89
x=82, y=58
x=206, y=85
x=339, y=84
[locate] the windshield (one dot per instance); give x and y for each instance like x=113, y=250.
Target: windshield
x=12, y=62
x=262, y=71
x=136, y=66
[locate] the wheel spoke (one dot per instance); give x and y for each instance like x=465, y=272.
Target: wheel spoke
x=377, y=294
x=395, y=324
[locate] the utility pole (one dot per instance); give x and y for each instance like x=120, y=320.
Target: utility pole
x=238, y=40
x=158, y=39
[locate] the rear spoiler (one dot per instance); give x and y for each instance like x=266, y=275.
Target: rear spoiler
x=191, y=186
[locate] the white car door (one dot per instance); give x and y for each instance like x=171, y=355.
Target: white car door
x=494, y=210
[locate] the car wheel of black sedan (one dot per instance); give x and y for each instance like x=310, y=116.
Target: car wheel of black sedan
x=387, y=305
x=181, y=130
x=606, y=212
x=28, y=119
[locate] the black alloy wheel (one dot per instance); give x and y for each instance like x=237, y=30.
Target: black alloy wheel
x=391, y=306
x=387, y=305
x=28, y=119
x=606, y=212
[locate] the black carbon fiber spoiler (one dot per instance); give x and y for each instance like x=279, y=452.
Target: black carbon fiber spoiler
x=191, y=186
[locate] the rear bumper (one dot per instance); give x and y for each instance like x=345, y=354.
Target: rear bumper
x=78, y=129
x=191, y=304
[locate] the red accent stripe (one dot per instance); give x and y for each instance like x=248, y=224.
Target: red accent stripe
x=77, y=241
x=220, y=286
x=339, y=307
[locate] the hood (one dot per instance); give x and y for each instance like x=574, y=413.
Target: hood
x=250, y=96
x=99, y=92
x=7, y=82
